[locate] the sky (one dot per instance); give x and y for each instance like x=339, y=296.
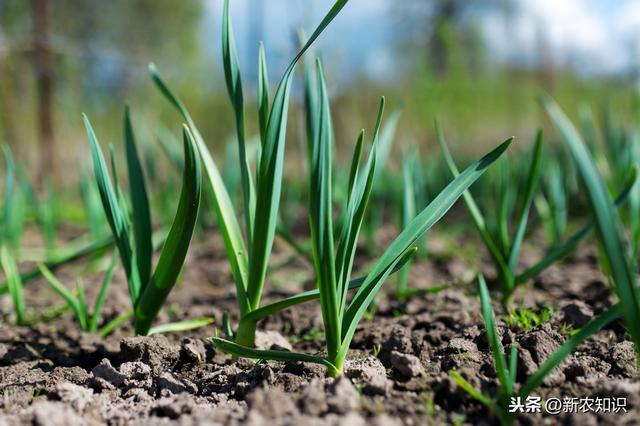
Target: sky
x=594, y=36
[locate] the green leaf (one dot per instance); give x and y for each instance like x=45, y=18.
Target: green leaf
x=8, y=193
x=14, y=284
x=568, y=347
x=115, y=323
x=244, y=352
x=513, y=363
x=63, y=292
x=507, y=195
x=310, y=295
x=102, y=295
x=355, y=164
x=234, y=244
x=234, y=87
x=387, y=136
x=475, y=213
x=321, y=221
x=572, y=242
x=310, y=99
x=360, y=189
x=82, y=305
x=179, y=326
x=177, y=243
x=263, y=93
x=88, y=249
x=414, y=230
x=607, y=221
x=140, y=205
x=408, y=213
x=494, y=340
x=468, y=388
x=532, y=184
x=269, y=180
x=111, y=205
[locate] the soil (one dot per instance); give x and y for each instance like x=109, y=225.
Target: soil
x=397, y=372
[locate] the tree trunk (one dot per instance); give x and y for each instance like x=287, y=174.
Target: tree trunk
x=43, y=59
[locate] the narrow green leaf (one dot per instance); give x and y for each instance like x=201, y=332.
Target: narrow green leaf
x=234, y=87
x=355, y=212
x=82, y=305
x=179, y=326
x=414, y=230
x=92, y=206
x=532, y=184
x=513, y=364
x=474, y=211
x=111, y=205
x=269, y=180
x=63, y=292
x=355, y=164
x=321, y=221
x=19, y=210
x=263, y=93
x=175, y=247
x=607, y=221
x=310, y=295
x=558, y=200
x=468, y=388
x=8, y=193
x=568, y=347
x=408, y=213
x=14, y=284
x=310, y=98
x=507, y=194
x=387, y=136
x=234, y=244
x=102, y=295
x=494, y=339
x=226, y=326
x=572, y=242
x=244, y=352
x=115, y=323
x=139, y=203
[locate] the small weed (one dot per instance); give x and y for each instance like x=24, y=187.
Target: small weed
x=376, y=350
x=525, y=319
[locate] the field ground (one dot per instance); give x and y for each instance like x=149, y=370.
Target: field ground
x=397, y=372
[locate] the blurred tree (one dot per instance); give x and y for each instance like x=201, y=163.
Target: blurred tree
x=438, y=24
x=92, y=52
x=10, y=12
x=43, y=64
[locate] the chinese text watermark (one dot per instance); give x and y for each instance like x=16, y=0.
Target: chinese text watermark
x=535, y=404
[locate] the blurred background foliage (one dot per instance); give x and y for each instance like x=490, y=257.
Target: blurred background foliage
x=59, y=58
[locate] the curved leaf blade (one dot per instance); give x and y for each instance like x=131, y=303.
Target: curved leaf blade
x=177, y=242
x=140, y=204
x=418, y=226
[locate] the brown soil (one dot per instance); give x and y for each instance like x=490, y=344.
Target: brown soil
x=397, y=372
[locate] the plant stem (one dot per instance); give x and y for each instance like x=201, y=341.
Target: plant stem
x=246, y=333
x=337, y=366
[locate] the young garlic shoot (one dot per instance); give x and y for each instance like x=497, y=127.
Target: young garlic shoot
x=148, y=288
x=506, y=368
x=333, y=261
x=619, y=266
x=87, y=320
x=505, y=255
x=249, y=253
x=7, y=259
